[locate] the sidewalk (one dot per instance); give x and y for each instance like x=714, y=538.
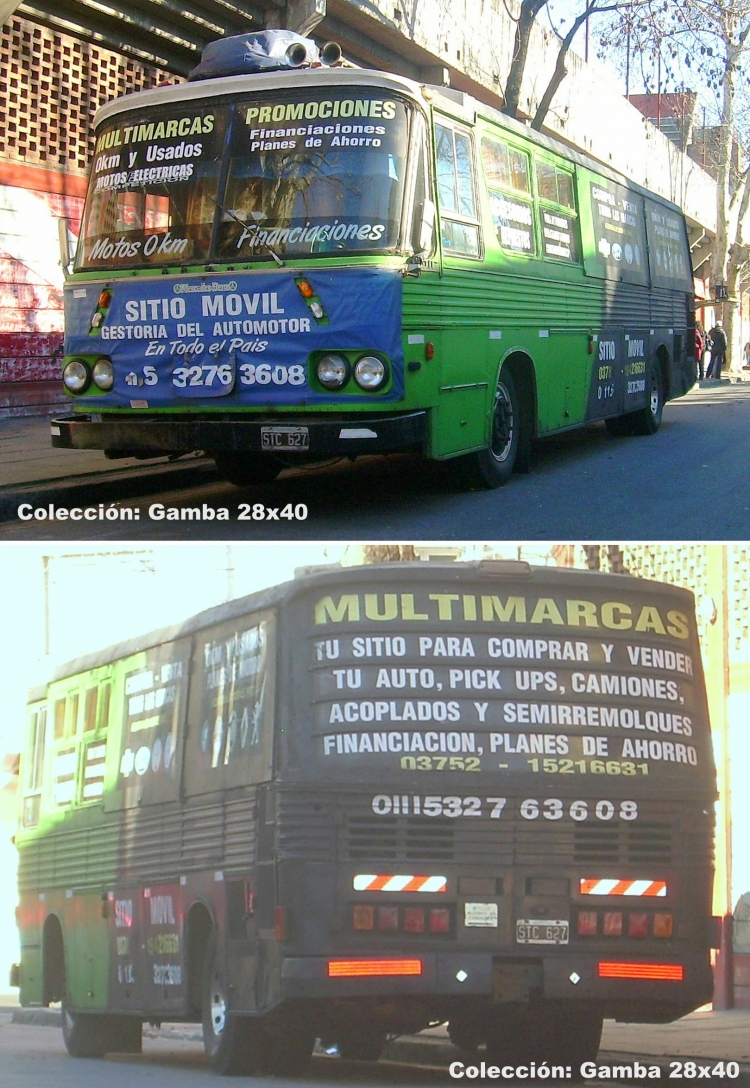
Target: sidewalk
x=32, y=470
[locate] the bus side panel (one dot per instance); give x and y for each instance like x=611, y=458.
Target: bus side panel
x=30, y=925
x=87, y=956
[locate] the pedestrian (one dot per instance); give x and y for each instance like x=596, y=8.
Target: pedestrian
x=717, y=340
x=746, y=356
x=700, y=348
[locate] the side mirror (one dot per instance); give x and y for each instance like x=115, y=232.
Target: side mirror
x=426, y=219
x=66, y=256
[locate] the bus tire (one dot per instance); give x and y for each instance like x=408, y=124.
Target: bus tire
x=493, y=466
x=648, y=420
x=360, y=1043
x=234, y=1045
x=90, y=1035
x=245, y=469
x=619, y=426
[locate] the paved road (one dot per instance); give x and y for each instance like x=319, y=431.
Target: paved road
x=34, y=1057
x=691, y=481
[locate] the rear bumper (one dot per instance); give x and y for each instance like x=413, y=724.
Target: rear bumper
x=340, y=435
x=565, y=977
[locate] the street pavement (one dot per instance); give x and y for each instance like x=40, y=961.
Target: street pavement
x=31, y=470
x=707, y=1036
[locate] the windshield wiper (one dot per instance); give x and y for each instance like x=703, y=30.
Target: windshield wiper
x=245, y=227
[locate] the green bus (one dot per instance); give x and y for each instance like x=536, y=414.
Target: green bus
x=282, y=266
x=370, y=800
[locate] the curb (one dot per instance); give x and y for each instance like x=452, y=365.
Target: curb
x=107, y=488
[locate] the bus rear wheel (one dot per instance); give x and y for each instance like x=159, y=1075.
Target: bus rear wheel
x=245, y=469
x=234, y=1045
x=648, y=420
x=493, y=466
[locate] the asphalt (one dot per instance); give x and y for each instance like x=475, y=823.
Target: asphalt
x=710, y=1036
x=33, y=471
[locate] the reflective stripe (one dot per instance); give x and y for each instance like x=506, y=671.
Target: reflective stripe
x=398, y=882
x=656, y=888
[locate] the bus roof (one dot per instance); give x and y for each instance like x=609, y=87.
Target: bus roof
x=308, y=577
x=456, y=103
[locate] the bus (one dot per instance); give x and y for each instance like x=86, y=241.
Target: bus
x=279, y=267
x=371, y=800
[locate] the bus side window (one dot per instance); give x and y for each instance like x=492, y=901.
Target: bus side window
x=560, y=228
x=507, y=168
x=95, y=720
x=456, y=192
x=34, y=774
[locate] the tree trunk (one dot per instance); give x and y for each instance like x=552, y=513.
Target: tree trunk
x=529, y=11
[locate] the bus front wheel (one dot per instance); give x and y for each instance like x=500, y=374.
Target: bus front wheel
x=245, y=469
x=493, y=466
x=91, y=1035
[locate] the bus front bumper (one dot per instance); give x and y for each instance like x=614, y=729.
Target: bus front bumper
x=321, y=436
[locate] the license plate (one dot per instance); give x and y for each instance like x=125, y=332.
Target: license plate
x=541, y=931
x=285, y=438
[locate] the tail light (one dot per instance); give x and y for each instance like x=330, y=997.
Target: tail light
x=414, y=919
x=587, y=923
x=440, y=920
x=638, y=925
x=613, y=923
x=388, y=919
x=363, y=917
x=663, y=925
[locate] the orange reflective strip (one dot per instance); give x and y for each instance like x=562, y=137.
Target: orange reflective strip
x=369, y=968
x=378, y=883
x=664, y=972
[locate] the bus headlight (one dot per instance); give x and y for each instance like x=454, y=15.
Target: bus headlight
x=76, y=376
x=333, y=371
x=103, y=374
x=370, y=373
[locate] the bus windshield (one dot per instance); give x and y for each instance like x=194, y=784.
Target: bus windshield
x=304, y=173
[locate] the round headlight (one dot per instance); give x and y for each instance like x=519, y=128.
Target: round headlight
x=370, y=372
x=76, y=376
x=333, y=371
x=103, y=374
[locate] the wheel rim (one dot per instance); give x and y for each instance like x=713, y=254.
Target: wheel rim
x=218, y=1006
x=655, y=399
x=503, y=424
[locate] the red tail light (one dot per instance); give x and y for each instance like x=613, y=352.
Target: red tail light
x=363, y=917
x=388, y=919
x=613, y=923
x=414, y=920
x=586, y=923
x=638, y=925
x=440, y=920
